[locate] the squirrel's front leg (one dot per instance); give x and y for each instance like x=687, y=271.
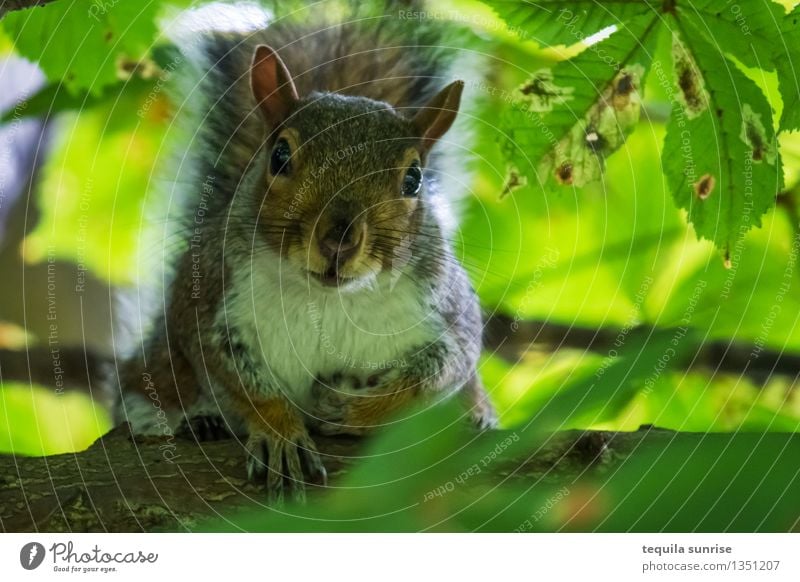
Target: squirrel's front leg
x=279, y=447
x=346, y=405
x=280, y=452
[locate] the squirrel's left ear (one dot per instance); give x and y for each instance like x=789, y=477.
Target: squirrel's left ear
x=272, y=85
x=436, y=117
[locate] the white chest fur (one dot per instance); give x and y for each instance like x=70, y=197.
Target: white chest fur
x=302, y=330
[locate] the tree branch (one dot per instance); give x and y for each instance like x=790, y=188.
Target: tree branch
x=10, y=5
x=510, y=339
x=121, y=485
x=503, y=336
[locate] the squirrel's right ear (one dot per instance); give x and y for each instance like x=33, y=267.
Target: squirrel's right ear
x=436, y=117
x=272, y=85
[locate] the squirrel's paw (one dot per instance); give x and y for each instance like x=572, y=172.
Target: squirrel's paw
x=332, y=398
x=341, y=383
x=345, y=405
x=204, y=427
x=286, y=463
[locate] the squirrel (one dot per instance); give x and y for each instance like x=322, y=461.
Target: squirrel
x=315, y=290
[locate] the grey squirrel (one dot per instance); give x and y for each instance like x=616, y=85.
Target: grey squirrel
x=317, y=289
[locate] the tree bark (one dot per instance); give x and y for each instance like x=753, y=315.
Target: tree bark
x=7, y=6
x=119, y=484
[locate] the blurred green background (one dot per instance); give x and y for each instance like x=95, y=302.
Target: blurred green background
x=615, y=256
x=574, y=256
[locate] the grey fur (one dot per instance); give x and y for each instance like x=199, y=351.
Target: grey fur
x=359, y=83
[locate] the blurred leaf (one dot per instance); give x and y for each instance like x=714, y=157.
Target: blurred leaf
x=428, y=475
x=722, y=483
x=756, y=300
x=580, y=257
x=600, y=394
x=54, y=99
x=700, y=402
x=790, y=156
x=386, y=489
x=53, y=423
x=94, y=185
x=82, y=42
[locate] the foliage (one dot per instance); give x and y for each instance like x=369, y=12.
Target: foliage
x=787, y=72
x=720, y=155
x=50, y=424
x=101, y=167
x=82, y=43
x=698, y=112
x=430, y=475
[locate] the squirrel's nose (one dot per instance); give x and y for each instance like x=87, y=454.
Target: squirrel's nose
x=341, y=242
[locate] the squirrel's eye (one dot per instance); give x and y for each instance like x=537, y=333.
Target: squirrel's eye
x=412, y=181
x=279, y=160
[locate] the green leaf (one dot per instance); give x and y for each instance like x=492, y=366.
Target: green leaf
x=745, y=482
x=36, y=421
x=568, y=119
x=553, y=22
x=94, y=184
x=53, y=98
x=720, y=153
x=746, y=30
x=600, y=396
x=83, y=43
x=788, y=65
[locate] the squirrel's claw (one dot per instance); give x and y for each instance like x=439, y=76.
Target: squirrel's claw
x=204, y=427
x=285, y=464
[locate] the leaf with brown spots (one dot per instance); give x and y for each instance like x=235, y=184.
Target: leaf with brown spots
x=705, y=186
x=567, y=120
x=720, y=154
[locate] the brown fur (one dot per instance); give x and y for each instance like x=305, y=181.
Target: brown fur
x=358, y=112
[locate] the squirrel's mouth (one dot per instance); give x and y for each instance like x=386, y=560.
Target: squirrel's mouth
x=331, y=278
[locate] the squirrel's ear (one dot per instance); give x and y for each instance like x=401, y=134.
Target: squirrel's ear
x=436, y=117
x=272, y=85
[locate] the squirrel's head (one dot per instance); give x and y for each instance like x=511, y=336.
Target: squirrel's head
x=344, y=185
